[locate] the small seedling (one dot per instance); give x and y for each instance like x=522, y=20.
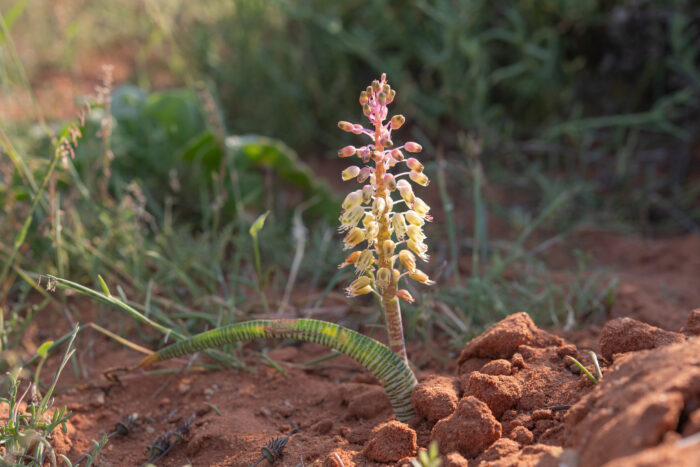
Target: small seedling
x=274, y=449
x=585, y=371
x=429, y=458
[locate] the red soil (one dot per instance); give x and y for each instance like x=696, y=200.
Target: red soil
x=506, y=403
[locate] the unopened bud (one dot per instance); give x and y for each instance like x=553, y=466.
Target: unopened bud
x=364, y=153
x=357, y=129
x=347, y=151
x=413, y=147
x=376, y=86
x=407, y=260
x=377, y=156
x=419, y=177
x=390, y=182
x=414, y=164
x=388, y=248
x=351, y=259
x=397, y=121
x=420, y=276
x=406, y=191
x=378, y=206
x=404, y=295
x=350, y=173
x=386, y=88
x=366, y=110
x=397, y=155
x=345, y=126
x=367, y=193
x=381, y=97
x=383, y=278
x=364, y=98
x=364, y=174
x=386, y=142
x=390, y=97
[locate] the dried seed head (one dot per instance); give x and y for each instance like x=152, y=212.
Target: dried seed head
x=347, y=151
x=350, y=173
x=413, y=147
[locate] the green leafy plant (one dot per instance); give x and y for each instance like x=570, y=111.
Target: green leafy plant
x=388, y=365
x=428, y=458
x=596, y=366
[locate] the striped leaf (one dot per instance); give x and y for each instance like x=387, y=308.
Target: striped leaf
x=393, y=373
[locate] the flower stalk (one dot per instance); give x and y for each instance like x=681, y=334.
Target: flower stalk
x=384, y=226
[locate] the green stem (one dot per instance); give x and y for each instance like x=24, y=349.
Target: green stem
x=393, y=373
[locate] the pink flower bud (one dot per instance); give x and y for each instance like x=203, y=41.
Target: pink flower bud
x=366, y=110
x=367, y=193
x=364, y=174
x=413, y=147
x=386, y=142
x=404, y=295
x=397, y=155
x=413, y=164
x=376, y=86
x=357, y=129
x=381, y=97
x=345, y=126
x=350, y=173
x=390, y=182
x=364, y=98
x=347, y=151
x=377, y=156
x=397, y=121
x=390, y=97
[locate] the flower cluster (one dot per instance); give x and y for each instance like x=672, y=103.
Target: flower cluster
x=388, y=228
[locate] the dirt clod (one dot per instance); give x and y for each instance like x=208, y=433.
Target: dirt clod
x=390, y=442
x=498, y=392
x=637, y=405
x=369, y=403
x=435, y=398
x=470, y=429
x=502, y=339
x=626, y=334
x=692, y=325
x=497, y=367
x=522, y=435
x=501, y=448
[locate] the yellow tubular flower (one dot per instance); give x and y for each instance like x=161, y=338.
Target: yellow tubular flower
x=353, y=238
x=418, y=248
x=415, y=233
x=399, y=224
x=413, y=218
x=406, y=191
x=388, y=248
x=350, y=218
x=420, y=276
x=364, y=262
x=421, y=207
x=350, y=173
x=383, y=278
x=404, y=295
x=419, y=177
x=408, y=260
x=360, y=286
x=354, y=198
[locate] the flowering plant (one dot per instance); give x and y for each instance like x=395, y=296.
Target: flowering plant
x=390, y=232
